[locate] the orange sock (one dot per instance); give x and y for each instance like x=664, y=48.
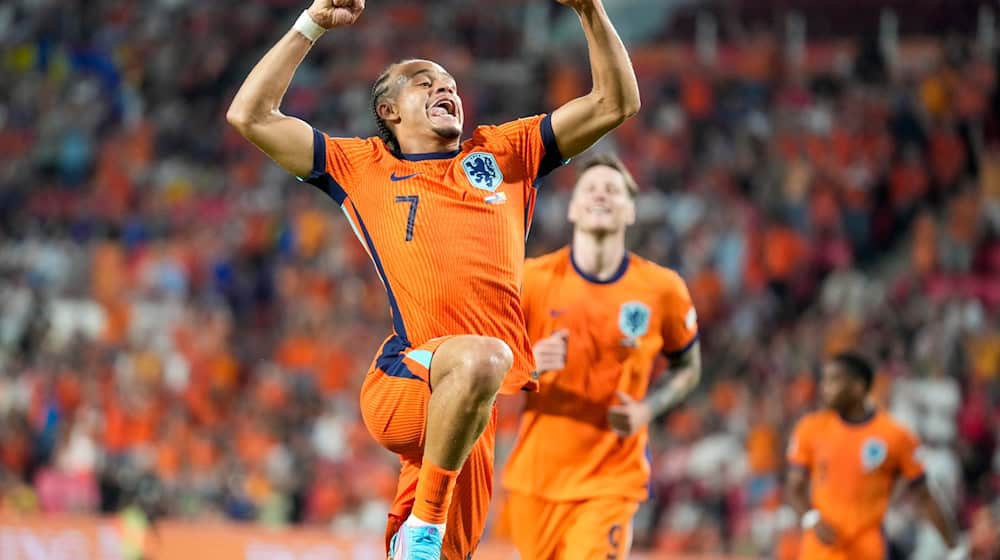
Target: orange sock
x=434, y=489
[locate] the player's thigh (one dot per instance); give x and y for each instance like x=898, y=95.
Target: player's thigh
x=536, y=526
x=395, y=394
x=870, y=545
x=601, y=530
x=470, y=503
x=813, y=549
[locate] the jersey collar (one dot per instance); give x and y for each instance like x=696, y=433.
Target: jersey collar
x=428, y=156
x=595, y=280
x=860, y=421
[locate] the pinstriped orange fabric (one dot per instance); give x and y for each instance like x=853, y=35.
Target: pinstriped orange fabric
x=446, y=231
x=565, y=449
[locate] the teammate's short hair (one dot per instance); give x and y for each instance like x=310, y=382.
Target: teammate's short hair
x=608, y=159
x=856, y=365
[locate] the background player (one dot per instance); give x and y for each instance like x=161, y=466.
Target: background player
x=444, y=223
x=844, y=463
x=599, y=317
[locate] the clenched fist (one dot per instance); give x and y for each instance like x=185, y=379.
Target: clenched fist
x=336, y=13
x=550, y=352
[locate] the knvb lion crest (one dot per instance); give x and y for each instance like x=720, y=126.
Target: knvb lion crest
x=873, y=453
x=633, y=319
x=482, y=171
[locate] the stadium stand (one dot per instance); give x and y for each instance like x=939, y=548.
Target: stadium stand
x=181, y=320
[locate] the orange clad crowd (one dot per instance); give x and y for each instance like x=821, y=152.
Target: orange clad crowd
x=185, y=327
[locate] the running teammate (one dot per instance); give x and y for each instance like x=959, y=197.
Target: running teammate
x=599, y=316
x=844, y=462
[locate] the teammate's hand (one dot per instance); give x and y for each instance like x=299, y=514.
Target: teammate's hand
x=628, y=417
x=550, y=352
x=825, y=533
x=336, y=13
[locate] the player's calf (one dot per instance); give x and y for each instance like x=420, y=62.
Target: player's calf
x=466, y=373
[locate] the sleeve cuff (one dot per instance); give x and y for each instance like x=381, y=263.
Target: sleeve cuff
x=319, y=176
x=553, y=158
x=674, y=354
x=917, y=480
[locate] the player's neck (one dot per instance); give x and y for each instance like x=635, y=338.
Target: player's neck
x=598, y=256
x=427, y=145
x=857, y=414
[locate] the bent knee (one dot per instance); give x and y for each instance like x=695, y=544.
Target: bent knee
x=484, y=363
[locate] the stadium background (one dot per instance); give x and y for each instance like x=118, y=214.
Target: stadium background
x=184, y=327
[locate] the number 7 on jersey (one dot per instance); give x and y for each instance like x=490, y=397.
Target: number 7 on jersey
x=414, y=200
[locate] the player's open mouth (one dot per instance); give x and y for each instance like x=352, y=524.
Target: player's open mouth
x=599, y=210
x=444, y=107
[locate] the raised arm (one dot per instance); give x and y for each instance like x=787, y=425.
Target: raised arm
x=255, y=111
x=614, y=96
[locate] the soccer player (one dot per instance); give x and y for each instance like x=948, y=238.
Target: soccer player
x=598, y=316
x=843, y=464
x=444, y=222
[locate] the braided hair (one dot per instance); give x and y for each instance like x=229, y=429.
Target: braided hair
x=379, y=90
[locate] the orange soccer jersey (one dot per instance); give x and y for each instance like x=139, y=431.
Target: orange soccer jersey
x=566, y=450
x=446, y=231
x=853, y=468
x=446, y=234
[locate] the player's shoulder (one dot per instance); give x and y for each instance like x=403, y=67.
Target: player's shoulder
x=815, y=421
x=362, y=148
x=665, y=277
x=492, y=134
x=892, y=427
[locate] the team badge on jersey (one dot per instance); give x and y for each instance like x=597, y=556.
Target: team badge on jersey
x=633, y=321
x=482, y=170
x=873, y=453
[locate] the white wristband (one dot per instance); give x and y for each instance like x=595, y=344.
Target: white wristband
x=307, y=27
x=810, y=519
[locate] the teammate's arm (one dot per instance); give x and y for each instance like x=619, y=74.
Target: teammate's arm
x=934, y=513
x=797, y=496
x=797, y=482
x=614, y=95
x=255, y=112
x=797, y=489
x=685, y=373
x=631, y=415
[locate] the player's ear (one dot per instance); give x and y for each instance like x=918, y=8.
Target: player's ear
x=388, y=111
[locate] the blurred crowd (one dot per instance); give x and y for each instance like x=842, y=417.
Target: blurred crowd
x=185, y=328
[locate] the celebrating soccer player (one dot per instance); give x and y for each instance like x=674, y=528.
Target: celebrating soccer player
x=844, y=462
x=598, y=317
x=444, y=222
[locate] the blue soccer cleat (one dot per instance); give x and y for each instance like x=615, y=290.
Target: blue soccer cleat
x=416, y=543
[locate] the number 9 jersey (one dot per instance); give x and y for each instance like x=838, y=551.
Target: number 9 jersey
x=446, y=231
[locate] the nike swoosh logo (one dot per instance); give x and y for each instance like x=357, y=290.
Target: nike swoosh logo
x=395, y=178
x=556, y=312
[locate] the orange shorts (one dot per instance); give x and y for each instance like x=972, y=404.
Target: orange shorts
x=599, y=528
x=869, y=545
x=394, y=401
